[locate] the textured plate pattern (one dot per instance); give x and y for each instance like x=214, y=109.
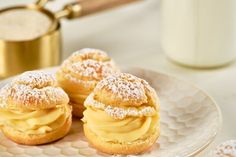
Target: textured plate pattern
x=189, y=122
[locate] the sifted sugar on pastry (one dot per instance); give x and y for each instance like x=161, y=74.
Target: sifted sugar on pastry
x=27, y=95
x=86, y=68
x=124, y=85
x=88, y=64
x=91, y=52
x=32, y=88
x=227, y=148
x=36, y=78
x=23, y=24
x=91, y=68
x=3, y=95
x=119, y=112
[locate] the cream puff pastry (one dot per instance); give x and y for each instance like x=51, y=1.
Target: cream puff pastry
x=122, y=115
x=79, y=74
x=33, y=110
x=225, y=149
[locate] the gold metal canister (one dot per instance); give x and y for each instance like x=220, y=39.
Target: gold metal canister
x=45, y=51
x=41, y=52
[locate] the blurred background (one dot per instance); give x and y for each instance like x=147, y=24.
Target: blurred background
x=132, y=35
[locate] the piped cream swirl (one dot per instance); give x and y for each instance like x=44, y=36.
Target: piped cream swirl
x=35, y=122
x=119, y=130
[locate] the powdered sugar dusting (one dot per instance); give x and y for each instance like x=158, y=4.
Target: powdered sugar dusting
x=89, y=51
x=31, y=89
x=92, y=68
x=89, y=64
x=124, y=86
x=37, y=79
x=86, y=83
x=118, y=112
x=3, y=95
x=227, y=148
x=27, y=95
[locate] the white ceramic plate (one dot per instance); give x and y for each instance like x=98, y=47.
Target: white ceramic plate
x=190, y=120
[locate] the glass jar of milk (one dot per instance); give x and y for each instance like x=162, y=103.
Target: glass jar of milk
x=199, y=33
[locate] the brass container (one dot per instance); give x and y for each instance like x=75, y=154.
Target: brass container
x=45, y=51
x=19, y=56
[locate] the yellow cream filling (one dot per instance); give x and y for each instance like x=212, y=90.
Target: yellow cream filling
x=35, y=122
x=122, y=130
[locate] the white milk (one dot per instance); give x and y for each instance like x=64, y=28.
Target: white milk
x=200, y=33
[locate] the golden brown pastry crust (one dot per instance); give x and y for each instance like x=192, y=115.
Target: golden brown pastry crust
x=30, y=139
x=135, y=147
x=77, y=109
x=123, y=95
x=225, y=149
x=79, y=74
x=125, y=90
x=32, y=90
